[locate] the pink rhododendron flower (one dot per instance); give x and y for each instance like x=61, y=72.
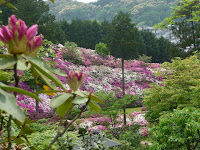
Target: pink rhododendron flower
x=19, y=39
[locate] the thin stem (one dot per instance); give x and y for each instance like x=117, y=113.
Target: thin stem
x=10, y=117
x=36, y=102
x=9, y=132
x=2, y=118
x=67, y=126
x=123, y=88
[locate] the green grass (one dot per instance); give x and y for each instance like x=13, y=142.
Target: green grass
x=131, y=110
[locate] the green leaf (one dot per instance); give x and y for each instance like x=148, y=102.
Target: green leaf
x=46, y=79
x=8, y=4
x=82, y=93
x=8, y=104
x=43, y=68
x=49, y=91
x=11, y=6
x=25, y=130
x=52, y=1
x=80, y=100
x=7, y=62
x=19, y=90
x=19, y=141
x=94, y=98
x=23, y=65
x=58, y=72
x=65, y=107
x=59, y=99
x=94, y=106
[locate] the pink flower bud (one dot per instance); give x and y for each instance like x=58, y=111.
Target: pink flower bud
x=37, y=42
x=75, y=80
x=2, y=36
x=70, y=75
x=12, y=21
x=8, y=35
x=31, y=32
x=22, y=29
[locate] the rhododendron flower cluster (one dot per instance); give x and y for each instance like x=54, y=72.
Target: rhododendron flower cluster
x=19, y=39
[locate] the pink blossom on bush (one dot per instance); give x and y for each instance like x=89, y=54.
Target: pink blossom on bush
x=144, y=132
x=97, y=128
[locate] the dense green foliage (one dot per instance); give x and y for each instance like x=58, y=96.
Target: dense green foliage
x=132, y=135
x=142, y=12
x=180, y=88
x=102, y=49
x=84, y=33
x=178, y=130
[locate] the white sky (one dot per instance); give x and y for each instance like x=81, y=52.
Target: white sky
x=86, y=1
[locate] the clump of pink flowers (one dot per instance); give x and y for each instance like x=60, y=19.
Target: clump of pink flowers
x=144, y=132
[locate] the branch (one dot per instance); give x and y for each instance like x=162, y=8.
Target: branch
x=10, y=117
x=67, y=126
x=9, y=133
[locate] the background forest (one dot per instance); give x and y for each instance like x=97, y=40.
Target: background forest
x=88, y=33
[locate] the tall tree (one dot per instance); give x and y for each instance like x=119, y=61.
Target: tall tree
x=122, y=42
x=185, y=23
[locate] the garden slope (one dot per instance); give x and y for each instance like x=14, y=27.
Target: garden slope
x=100, y=74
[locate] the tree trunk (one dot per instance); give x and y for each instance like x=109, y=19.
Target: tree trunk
x=123, y=88
x=36, y=102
